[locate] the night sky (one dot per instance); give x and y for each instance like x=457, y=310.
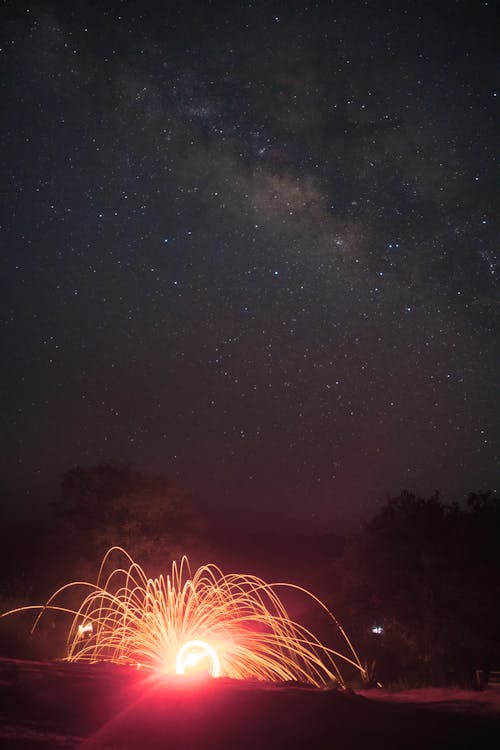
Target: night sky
x=251, y=245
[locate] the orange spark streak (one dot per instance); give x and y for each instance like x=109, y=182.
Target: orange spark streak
x=236, y=622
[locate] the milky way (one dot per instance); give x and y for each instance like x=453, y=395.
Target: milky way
x=252, y=245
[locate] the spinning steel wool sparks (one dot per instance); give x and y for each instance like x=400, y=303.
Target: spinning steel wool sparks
x=227, y=625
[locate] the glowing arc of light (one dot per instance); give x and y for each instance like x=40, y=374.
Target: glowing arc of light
x=192, y=652
x=141, y=620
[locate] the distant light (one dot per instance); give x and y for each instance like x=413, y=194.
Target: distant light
x=85, y=631
x=377, y=629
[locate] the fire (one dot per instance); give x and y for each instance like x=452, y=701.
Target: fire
x=231, y=625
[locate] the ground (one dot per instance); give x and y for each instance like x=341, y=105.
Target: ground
x=104, y=707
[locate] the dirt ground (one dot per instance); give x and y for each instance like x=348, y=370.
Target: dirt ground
x=104, y=707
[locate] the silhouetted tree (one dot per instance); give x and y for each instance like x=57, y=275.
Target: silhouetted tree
x=428, y=573
x=111, y=504
x=97, y=507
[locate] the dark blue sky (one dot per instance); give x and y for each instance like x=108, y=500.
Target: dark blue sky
x=254, y=246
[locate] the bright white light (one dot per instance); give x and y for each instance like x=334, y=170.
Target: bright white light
x=85, y=631
x=377, y=629
x=194, y=652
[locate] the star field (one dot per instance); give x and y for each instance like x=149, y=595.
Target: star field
x=252, y=245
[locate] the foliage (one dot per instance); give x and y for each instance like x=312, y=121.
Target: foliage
x=428, y=572
x=112, y=504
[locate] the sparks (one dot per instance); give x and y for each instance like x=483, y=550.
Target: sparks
x=227, y=625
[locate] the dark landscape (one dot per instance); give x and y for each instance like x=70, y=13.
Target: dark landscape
x=249, y=315
x=45, y=706
x=416, y=591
